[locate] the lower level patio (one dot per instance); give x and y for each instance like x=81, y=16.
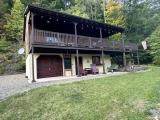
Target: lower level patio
x=69, y=79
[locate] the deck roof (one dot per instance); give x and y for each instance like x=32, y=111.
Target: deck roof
x=65, y=22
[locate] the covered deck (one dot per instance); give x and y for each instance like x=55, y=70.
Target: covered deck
x=50, y=31
x=51, y=28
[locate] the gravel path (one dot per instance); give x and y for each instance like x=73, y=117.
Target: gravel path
x=12, y=84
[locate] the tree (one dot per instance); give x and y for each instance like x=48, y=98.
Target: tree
x=114, y=16
x=78, y=9
x=5, y=6
x=154, y=42
x=12, y=41
x=94, y=9
x=140, y=19
x=91, y=9
x=14, y=26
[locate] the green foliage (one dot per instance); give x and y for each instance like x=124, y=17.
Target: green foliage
x=154, y=42
x=140, y=19
x=3, y=45
x=94, y=9
x=5, y=6
x=14, y=26
x=91, y=9
x=77, y=9
x=114, y=16
x=12, y=40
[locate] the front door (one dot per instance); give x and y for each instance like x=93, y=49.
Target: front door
x=49, y=66
x=80, y=65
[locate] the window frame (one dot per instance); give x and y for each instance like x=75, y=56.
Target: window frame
x=67, y=57
x=97, y=63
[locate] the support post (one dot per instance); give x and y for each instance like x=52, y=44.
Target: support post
x=32, y=33
x=77, y=51
x=90, y=42
x=104, y=72
x=124, y=60
x=124, y=55
x=33, y=79
x=75, y=33
x=137, y=56
x=32, y=48
x=101, y=36
x=77, y=57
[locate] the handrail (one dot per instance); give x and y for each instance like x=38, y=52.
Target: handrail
x=63, y=39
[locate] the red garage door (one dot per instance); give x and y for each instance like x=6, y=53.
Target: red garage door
x=49, y=66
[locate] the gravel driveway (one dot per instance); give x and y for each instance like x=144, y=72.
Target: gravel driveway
x=12, y=84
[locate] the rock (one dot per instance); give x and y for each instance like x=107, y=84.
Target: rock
x=155, y=114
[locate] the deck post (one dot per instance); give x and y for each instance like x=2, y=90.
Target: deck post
x=77, y=51
x=32, y=33
x=75, y=33
x=101, y=36
x=124, y=60
x=124, y=55
x=33, y=79
x=32, y=48
x=137, y=55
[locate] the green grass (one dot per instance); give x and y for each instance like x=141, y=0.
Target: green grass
x=127, y=97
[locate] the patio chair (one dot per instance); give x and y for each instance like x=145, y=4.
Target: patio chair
x=82, y=71
x=94, y=69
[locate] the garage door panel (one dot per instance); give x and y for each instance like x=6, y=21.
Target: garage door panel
x=49, y=66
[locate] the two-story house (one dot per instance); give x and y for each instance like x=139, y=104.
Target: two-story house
x=59, y=44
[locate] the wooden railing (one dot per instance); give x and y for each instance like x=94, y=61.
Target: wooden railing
x=68, y=40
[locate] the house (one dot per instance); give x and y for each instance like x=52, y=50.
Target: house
x=59, y=44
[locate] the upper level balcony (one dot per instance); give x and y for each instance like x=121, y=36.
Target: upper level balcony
x=47, y=38
x=49, y=28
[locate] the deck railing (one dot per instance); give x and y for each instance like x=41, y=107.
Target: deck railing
x=68, y=40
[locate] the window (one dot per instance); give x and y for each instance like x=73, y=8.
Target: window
x=96, y=60
x=67, y=63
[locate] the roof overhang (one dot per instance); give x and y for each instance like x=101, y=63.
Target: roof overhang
x=90, y=27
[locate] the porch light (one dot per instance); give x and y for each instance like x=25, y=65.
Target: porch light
x=50, y=18
x=41, y=16
x=48, y=21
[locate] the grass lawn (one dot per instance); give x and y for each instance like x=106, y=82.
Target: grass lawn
x=126, y=97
